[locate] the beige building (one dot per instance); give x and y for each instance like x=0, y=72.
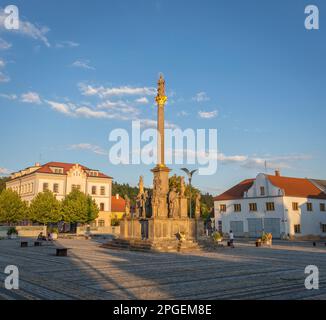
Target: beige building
x=61, y=178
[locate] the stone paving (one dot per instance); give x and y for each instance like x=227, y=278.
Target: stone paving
x=92, y=272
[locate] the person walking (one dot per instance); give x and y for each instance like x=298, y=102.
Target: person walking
x=231, y=236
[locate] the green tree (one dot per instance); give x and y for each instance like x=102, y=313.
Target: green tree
x=77, y=207
x=12, y=208
x=3, y=181
x=45, y=208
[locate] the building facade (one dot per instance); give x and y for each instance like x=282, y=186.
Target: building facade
x=61, y=178
x=283, y=206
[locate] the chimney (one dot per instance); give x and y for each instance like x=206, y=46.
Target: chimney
x=117, y=196
x=277, y=173
x=37, y=164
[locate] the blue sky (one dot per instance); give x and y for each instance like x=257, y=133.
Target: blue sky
x=248, y=68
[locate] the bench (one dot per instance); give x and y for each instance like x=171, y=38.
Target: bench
x=61, y=252
x=24, y=244
x=37, y=243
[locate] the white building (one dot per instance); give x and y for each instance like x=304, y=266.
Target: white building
x=284, y=206
x=61, y=179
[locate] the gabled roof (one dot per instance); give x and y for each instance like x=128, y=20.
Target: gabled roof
x=237, y=191
x=292, y=187
x=46, y=168
x=297, y=187
x=118, y=205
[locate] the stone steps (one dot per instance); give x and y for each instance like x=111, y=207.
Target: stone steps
x=157, y=246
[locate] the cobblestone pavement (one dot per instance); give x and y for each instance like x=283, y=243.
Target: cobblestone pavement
x=92, y=272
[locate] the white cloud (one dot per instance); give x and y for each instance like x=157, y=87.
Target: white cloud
x=8, y=96
x=4, y=45
x=31, y=97
x=91, y=113
x=66, y=44
x=4, y=171
x=4, y=77
x=84, y=64
x=64, y=108
x=102, y=92
x=90, y=147
x=27, y=28
x=142, y=100
x=149, y=123
x=208, y=114
x=2, y=63
x=201, y=97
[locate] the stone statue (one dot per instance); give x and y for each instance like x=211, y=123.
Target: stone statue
x=161, y=87
x=127, y=206
x=182, y=187
x=197, y=207
x=138, y=206
x=143, y=200
x=141, y=185
x=148, y=204
x=173, y=203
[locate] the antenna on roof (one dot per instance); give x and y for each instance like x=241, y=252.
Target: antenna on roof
x=265, y=166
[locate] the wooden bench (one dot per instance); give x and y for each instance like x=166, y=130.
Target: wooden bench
x=62, y=252
x=24, y=244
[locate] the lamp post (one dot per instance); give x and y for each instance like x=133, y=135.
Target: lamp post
x=189, y=175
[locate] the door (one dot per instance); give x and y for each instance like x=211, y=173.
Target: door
x=255, y=227
x=273, y=226
x=237, y=228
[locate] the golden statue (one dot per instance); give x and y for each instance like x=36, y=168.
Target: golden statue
x=161, y=97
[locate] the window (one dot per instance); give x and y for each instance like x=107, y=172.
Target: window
x=262, y=191
x=55, y=188
x=45, y=186
x=102, y=191
x=270, y=206
x=75, y=187
x=223, y=207
x=295, y=206
x=58, y=170
x=94, y=190
x=323, y=228
x=309, y=206
x=101, y=223
x=219, y=226
x=252, y=206
x=297, y=228
x=102, y=207
x=322, y=207
x=237, y=207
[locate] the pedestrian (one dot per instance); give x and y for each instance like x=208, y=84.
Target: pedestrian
x=231, y=236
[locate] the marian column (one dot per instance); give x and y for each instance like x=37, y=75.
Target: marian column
x=161, y=172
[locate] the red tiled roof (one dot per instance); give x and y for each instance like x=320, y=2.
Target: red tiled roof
x=297, y=187
x=46, y=168
x=237, y=191
x=117, y=205
x=293, y=187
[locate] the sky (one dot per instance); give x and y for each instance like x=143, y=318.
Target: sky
x=78, y=69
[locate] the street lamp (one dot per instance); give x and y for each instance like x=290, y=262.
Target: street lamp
x=189, y=175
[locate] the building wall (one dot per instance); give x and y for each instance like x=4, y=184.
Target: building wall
x=30, y=185
x=310, y=222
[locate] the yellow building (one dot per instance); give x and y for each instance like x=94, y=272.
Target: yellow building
x=61, y=178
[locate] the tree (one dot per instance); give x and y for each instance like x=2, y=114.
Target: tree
x=45, y=208
x=77, y=207
x=125, y=189
x=12, y=208
x=3, y=181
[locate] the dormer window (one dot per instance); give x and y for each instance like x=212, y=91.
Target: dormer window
x=93, y=173
x=57, y=170
x=262, y=191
